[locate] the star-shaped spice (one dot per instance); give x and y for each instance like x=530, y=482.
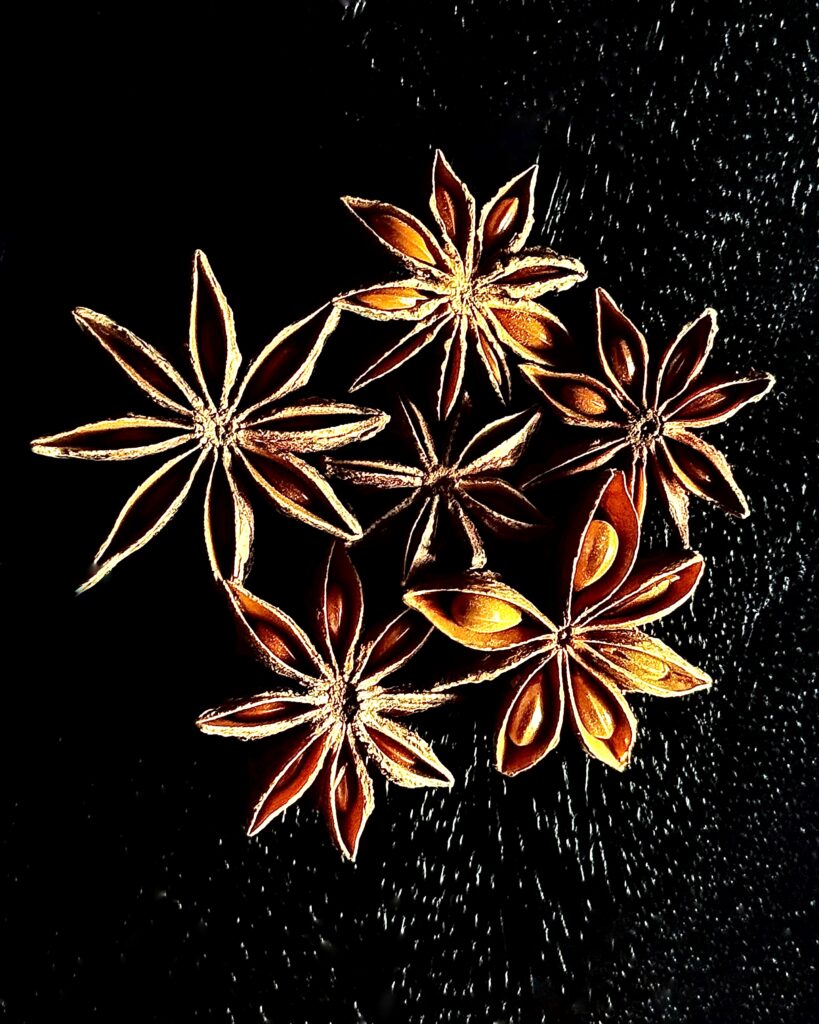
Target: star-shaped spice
x=472, y=285
x=464, y=486
x=649, y=415
x=342, y=716
x=580, y=668
x=245, y=433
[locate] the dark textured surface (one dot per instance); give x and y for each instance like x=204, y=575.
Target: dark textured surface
x=677, y=149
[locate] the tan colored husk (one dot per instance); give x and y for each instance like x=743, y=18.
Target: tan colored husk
x=348, y=716
x=473, y=268
x=215, y=421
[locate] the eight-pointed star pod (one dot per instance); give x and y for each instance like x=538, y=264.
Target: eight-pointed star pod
x=593, y=656
x=463, y=485
x=245, y=432
x=473, y=287
x=342, y=716
x=650, y=415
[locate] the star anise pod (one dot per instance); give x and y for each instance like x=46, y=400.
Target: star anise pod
x=463, y=486
x=593, y=656
x=342, y=716
x=649, y=414
x=243, y=432
x=472, y=285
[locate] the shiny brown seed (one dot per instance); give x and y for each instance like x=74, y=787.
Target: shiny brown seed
x=394, y=750
x=484, y=614
x=490, y=357
x=527, y=330
x=392, y=298
x=646, y=666
x=698, y=471
x=342, y=794
x=269, y=712
x=597, y=553
x=501, y=219
x=593, y=711
x=527, y=715
x=703, y=403
x=446, y=208
x=651, y=593
x=403, y=237
x=622, y=360
x=275, y=643
x=583, y=399
x=291, y=490
x=335, y=605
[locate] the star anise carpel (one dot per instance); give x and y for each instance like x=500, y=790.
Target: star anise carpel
x=461, y=484
x=647, y=416
x=473, y=285
x=249, y=433
x=579, y=664
x=341, y=716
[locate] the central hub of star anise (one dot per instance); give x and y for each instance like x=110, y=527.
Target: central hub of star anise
x=564, y=637
x=342, y=697
x=439, y=479
x=349, y=703
x=461, y=297
x=216, y=428
x=646, y=429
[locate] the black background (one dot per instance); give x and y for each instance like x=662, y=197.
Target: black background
x=677, y=149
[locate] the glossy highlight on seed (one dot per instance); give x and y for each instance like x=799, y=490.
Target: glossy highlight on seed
x=526, y=717
x=403, y=237
x=597, y=553
x=596, y=717
x=484, y=614
x=583, y=399
x=501, y=219
x=391, y=298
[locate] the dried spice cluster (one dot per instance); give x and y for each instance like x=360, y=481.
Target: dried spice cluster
x=572, y=648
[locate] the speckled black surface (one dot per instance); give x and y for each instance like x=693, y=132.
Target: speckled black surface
x=677, y=148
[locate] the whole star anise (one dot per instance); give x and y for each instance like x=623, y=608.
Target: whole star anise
x=473, y=287
x=649, y=415
x=593, y=656
x=246, y=433
x=463, y=486
x=343, y=716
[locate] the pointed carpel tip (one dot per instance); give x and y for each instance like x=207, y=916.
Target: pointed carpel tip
x=348, y=855
x=257, y=822
x=83, y=588
x=83, y=315
x=601, y=297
